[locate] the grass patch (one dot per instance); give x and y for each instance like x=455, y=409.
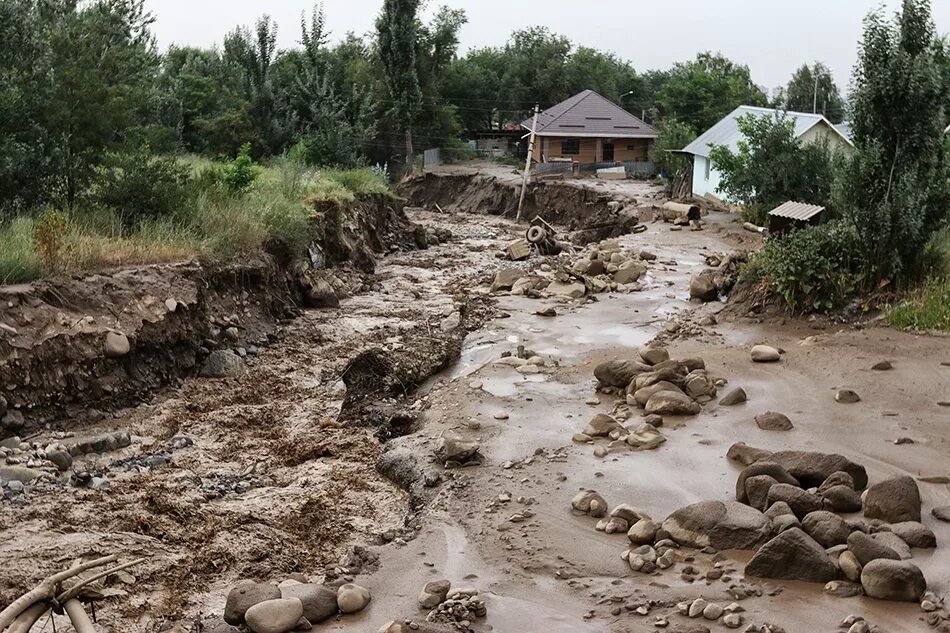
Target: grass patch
x=216, y=222
x=926, y=308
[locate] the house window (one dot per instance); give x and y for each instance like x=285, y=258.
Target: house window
x=571, y=146
x=708, y=164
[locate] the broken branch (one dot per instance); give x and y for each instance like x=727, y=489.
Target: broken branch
x=73, y=591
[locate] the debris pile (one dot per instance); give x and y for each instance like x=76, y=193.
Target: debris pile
x=718, y=279
x=598, y=268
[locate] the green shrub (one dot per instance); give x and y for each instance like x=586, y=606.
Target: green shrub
x=241, y=173
x=140, y=186
x=816, y=269
x=51, y=237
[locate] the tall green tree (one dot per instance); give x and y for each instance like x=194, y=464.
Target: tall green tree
x=702, y=91
x=772, y=166
x=396, y=28
x=813, y=89
x=894, y=188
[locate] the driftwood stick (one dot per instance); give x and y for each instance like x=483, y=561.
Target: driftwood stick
x=29, y=617
x=73, y=591
x=77, y=615
x=47, y=589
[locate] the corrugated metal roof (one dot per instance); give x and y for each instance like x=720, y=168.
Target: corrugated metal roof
x=727, y=133
x=845, y=129
x=589, y=114
x=797, y=210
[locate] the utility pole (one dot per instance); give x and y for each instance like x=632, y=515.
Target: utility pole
x=814, y=107
x=527, y=163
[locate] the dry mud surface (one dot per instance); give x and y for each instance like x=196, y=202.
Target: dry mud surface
x=294, y=488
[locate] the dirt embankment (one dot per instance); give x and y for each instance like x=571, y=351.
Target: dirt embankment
x=72, y=345
x=590, y=213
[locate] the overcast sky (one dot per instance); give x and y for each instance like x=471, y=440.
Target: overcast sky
x=772, y=38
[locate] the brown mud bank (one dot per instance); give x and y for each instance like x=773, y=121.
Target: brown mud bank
x=590, y=213
x=70, y=346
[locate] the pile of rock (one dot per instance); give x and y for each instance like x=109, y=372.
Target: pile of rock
x=717, y=280
x=458, y=608
x=290, y=605
x=799, y=495
x=700, y=607
x=658, y=384
x=525, y=361
x=599, y=268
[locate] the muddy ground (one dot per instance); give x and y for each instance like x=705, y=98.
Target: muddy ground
x=272, y=479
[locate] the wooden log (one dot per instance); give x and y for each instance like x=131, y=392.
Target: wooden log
x=46, y=590
x=77, y=615
x=30, y=616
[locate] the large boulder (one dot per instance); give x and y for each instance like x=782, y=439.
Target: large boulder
x=245, y=595
x=642, y=396
x=893, y=500
x=619, y=373
x=867, y=549
x=896, y=543
x=629, y=272
x=702, y=286
x=765, y=354
x=319, y=601
x=826, y=527
x=792, y=555
x=601, y=425
x=654, y=355
x=800, y=501
x=757, y=491
x=773, y=421
x=765, y=467
x=672, y=403
x=505, y=279
x=722, y=525
x=221, y=363
x=893, y=580
x=274, y=616
x=812, y=469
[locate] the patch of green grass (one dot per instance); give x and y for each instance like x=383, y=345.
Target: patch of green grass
x=19, y=260
x=216, y=223
x=926, y=308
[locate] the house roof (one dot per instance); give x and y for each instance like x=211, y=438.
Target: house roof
x=845, y=129
x=589, y=114
x=727, y=133
x=797, y=210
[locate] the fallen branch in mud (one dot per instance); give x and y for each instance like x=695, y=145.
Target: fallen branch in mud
x=30, y=616
x=77, y=615
x=73, y=591
x=47, y=589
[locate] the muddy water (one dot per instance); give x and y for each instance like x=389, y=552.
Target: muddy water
x=548, y=574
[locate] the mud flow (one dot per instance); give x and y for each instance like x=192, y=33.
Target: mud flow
x=454, y=441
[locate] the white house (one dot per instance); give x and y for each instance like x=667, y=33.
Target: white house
x=808, y=127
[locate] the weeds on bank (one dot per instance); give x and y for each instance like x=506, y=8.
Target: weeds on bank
x=926, y=308
x=230, y=210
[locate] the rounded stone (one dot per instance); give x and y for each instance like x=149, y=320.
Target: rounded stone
x=245, y=595
x=274, y=616
x=352, y=598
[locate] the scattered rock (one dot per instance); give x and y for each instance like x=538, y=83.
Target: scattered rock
x=941, y=513
x=792, y=555
x=734, y=397
x=765, y=467
x=222, y=363
x=844, y=589
x=765, y=354
x=745, y=454
x=893, y=580
x=812, y=469
x=601, y=425
x=847, y=396
x=274, y=616
x=506, y=278
x=589, y=502
x=894, y=542
x=773, y=421
x=643, y=532
x=454, y=452
x=842, y=498
x=352, y=598
x=883, y=365
x=116, y=345
x=712, y=611
x=434, y=593
x=702, y=286
x=850, y=566
x=893, y=500
x=757, y=491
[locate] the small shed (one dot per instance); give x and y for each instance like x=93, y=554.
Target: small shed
x=794, y=215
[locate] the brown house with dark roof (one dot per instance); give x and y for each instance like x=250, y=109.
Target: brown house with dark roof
x=587, y=128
